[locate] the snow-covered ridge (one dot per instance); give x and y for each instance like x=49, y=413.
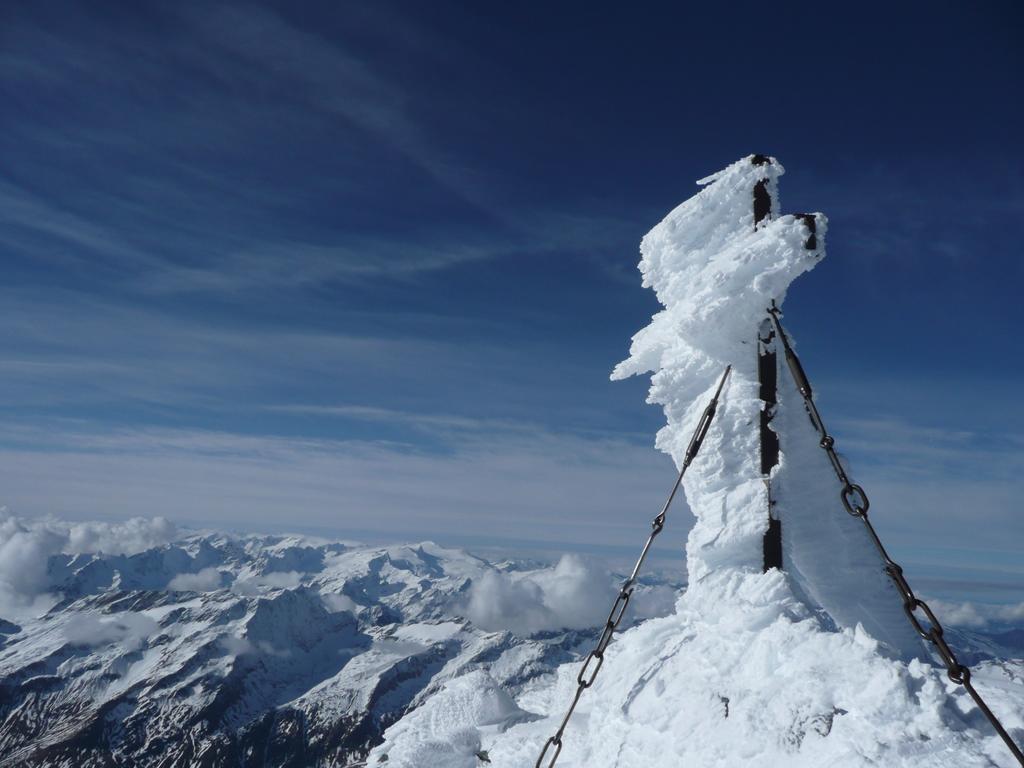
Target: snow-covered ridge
x=213, y=649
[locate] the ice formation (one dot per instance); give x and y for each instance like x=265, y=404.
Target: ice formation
x=716, y=275
x=450, y=731
x=812, y=665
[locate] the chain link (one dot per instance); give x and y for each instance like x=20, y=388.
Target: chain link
x=595, y=659
x=855, y=500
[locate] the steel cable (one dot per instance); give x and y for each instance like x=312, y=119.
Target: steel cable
x=855, y=500
x=592, y=664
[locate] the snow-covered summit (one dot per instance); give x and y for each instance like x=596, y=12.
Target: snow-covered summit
x=716, y=274
x=811, y=665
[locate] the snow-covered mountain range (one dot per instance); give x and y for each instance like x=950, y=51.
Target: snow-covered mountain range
x=217, y=650
x=221, y=650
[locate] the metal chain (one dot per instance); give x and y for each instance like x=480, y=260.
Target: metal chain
x=855, y=500
x=592, y=664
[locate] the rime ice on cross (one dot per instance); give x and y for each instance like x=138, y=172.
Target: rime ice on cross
x=762, y=491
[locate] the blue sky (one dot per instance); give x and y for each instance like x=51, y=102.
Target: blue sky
x=363, y=269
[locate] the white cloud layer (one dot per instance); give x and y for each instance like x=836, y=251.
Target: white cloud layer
x=206, y=580
x=129, y=630
x=575, y=594
x=242, y=646
x=26, y=546
x=337, y=602
x=252, y=586
x=492, y=485
x=977, y=615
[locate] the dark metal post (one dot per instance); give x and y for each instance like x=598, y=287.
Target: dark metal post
x=762, y=197
x=767, y=375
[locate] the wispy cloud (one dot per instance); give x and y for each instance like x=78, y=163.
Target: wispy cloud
x=298, y=265
x=978, y=615
x=70, y=238
x=490, y=486
x=174, y=208
x=931, y=487
x=900, y=446
x=329, y=77
x=142, y=261
x=64, y=347
x=426, y=420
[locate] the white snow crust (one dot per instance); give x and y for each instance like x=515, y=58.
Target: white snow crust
x=814, y=665
x=450, y=731
x=753, y=679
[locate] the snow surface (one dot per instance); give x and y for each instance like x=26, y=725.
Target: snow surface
x=814, y=665
x=450, y=731
x=754, y=680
